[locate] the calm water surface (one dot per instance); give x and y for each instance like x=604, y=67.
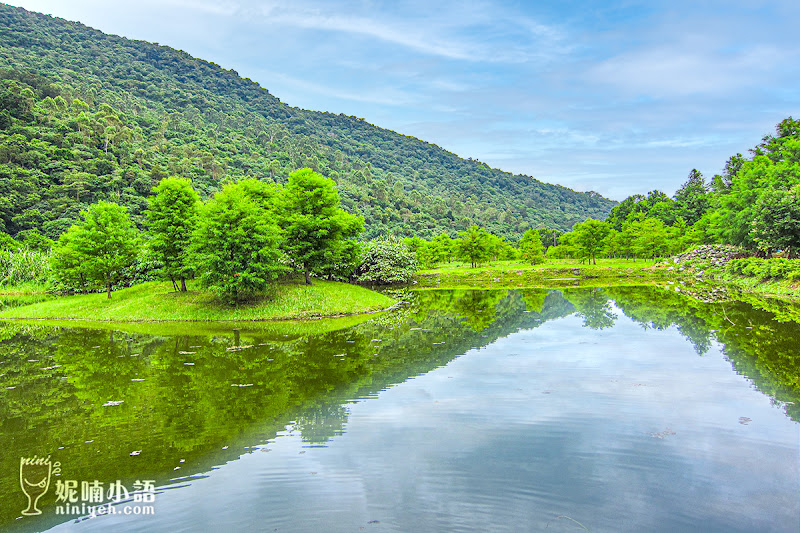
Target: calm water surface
x=617, y=409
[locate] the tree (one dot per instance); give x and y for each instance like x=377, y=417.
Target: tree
x=171, y=220
x=8, y=243
x=501, y=249
x=314, y=225
x=99, y=248
x=777, y=221
x=650, y=238
x=549, y=237
x=443, y=248
x=78, y=182
x=474, y=245
x=66, y=263
x=531, y=248
x=621, y=212
x=691, y=200
x=590, y=236
x=237, y=243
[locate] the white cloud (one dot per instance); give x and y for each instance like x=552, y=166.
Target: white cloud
x=434, y=35
x=384, y=96
x=689, y=67
x=214, y=8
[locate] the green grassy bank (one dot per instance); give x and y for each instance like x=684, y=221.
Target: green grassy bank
x=780, y=288
x=774, y=288
x=617, y=272
x=156, y=301
x=513, y=274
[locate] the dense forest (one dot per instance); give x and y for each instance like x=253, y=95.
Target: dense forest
x=86, y=116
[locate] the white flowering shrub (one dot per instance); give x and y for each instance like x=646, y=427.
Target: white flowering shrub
x=387, y=261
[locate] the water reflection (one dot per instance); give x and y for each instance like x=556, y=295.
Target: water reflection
x=206, y=396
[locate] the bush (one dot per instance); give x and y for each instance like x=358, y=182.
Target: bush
x=764, y=269
x=387, y=261
x=19, y=266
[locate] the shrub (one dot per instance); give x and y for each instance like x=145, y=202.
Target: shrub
x=387, y=261
x=764, y=269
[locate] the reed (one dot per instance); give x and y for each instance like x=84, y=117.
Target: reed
x=22, y=266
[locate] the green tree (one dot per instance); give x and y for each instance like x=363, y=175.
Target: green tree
x=66, y=262
x=501, y=249
x=8, y=243
x=237, y=244
x=651, y=238
x=474, y=245
x=590, y=236
x=692, y=199
x=78, y=182
x=531, y=248
x=100, y=247
x=316, y=228
x=443, y=248
x=549, y=237
x=777, y=221
x=171, y=220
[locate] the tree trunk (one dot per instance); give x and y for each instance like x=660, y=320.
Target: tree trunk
x=308, y=276
x=183, y=284
x=108, y=290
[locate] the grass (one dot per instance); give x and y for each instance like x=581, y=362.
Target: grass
x=551, y=264
x=553, y=273
x=770, y=287
x=156, y=301
x=25, y=287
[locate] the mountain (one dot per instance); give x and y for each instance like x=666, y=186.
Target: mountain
x=86, y=116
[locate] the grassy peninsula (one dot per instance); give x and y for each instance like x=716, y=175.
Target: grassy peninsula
x=157, y=302
x=764, y=277
x=553, y=273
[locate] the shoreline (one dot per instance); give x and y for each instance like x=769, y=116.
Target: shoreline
x=496, y=277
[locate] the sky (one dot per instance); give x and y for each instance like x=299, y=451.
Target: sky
x=618, y=97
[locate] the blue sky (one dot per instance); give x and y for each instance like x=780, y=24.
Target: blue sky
x=617, y=97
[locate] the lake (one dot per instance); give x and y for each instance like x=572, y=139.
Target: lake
x=613, y=409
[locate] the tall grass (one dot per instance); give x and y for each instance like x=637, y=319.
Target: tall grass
x=23, y=266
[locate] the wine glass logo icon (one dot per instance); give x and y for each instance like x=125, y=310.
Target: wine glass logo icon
x=34, y=478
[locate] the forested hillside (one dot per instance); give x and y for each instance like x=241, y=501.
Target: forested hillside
x=86, y=116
